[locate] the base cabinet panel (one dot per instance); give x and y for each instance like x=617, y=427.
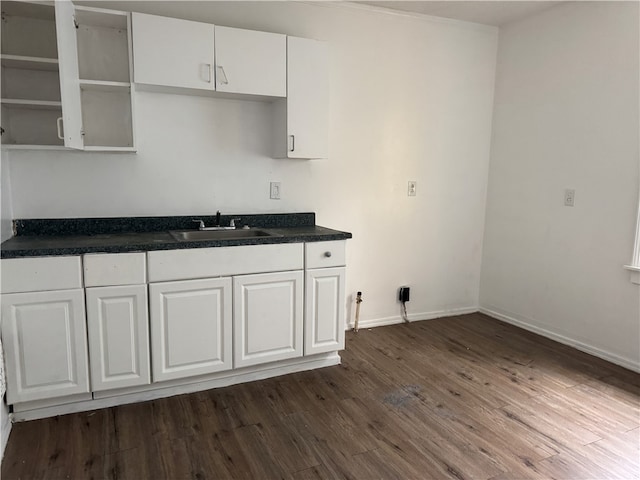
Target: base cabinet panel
x=45, y=339
x=207, y=317
x=190, y=327
x=268, y=317
x=118, y=326
x=324, y=310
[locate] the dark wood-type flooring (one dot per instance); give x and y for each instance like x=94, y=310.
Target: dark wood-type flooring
x=463, y=398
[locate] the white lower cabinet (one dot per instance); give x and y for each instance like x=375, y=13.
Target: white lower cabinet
x=190, y=327
x=118, y=326
x=45, y=339
x=163, y=316
x=268, y=314
x=324, y=310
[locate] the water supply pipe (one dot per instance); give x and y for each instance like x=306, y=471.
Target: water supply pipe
x=358, y=302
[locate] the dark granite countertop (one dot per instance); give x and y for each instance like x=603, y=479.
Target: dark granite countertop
x=47, y=237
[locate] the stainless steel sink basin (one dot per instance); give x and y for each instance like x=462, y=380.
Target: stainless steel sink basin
x=204, y=235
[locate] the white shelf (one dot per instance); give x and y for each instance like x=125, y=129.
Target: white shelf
x=99, y=17
x=39, y=10
x=104, y=86
x=109, y=149
x=31, y=104
x=11, y=146
x=29, y=63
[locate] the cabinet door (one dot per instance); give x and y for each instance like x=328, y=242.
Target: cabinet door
x=251, y=62
x=45, y=338
x=172, y=52
x=118, y=325
x=307, y=98
x=190, y=327
x=30, y=103
x=104, y=62
x=267, y=317
x=69, y=75
x=324, y=310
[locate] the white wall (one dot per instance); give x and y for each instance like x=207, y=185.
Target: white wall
x=411, y=99
x=566, y=116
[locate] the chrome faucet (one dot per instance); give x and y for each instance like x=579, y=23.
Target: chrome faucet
x=217, y=226
x=200, y=222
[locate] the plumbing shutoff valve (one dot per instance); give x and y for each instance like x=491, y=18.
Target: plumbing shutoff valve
x=404, y=294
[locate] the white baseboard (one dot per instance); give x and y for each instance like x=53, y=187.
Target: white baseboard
x=413, y=317
x=528, y=324
x=222, y=379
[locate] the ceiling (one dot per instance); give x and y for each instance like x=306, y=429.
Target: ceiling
x=495, y=13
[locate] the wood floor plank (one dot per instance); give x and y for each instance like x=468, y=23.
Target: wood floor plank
x=317, y=472
x=460, y=398
x=616, y=454
x=565, y=430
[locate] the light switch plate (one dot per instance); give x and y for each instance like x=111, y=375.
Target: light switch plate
x=274, y=190
x=411, y=188
x=569, y=197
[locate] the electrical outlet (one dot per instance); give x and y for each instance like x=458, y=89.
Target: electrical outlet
x=569, y=197
x=411, y=188
x=274, y=190
x=404, y=294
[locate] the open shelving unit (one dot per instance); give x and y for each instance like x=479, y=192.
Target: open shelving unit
x=66, y=77
x=104, y=70
x=30, y=97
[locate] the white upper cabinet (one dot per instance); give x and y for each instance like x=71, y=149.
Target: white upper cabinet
x=250, y=62
x=69, y=76
x=30, y=83
x=95, y=78
x=173, y=52
x=301, y=125
x=66, y=77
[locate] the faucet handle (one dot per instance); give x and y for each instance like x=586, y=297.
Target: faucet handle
x=232, y=222
x=200, y=222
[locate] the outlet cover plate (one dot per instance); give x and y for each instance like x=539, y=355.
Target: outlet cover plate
x=274, y=190
x=569, y=197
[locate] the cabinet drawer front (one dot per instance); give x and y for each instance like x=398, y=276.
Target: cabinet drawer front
x=106, y=269
x=38, y=274
x=325, y=254
x=166, y=265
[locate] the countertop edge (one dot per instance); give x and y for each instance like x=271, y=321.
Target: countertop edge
x=294, y=237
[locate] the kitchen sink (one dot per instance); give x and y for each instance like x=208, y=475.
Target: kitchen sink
x=204, y=235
